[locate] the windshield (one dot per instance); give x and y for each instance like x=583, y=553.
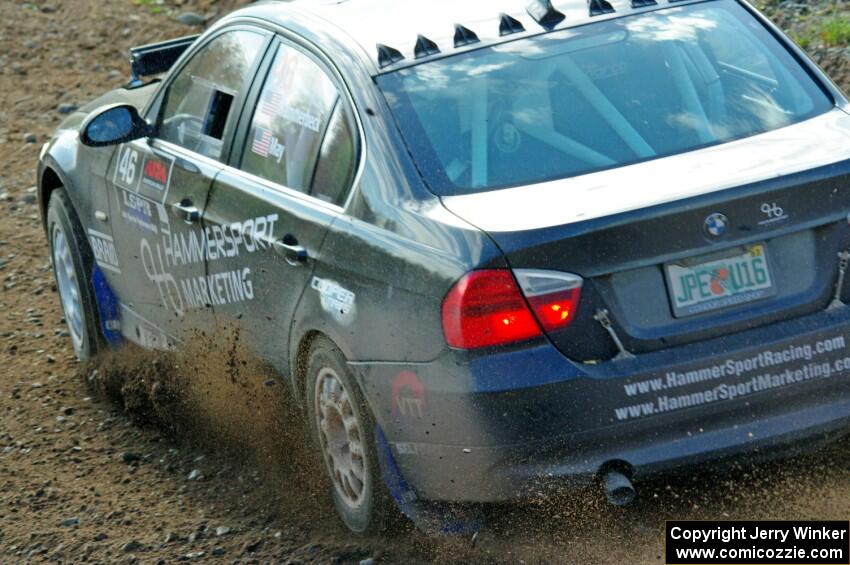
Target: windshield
x=605, y=95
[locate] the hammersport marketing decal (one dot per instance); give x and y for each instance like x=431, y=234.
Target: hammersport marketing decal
x=172, y=250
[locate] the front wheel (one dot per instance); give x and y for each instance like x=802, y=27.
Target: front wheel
x=342, y=426
x=72, y=261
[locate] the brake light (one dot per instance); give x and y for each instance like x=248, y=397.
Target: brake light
x=487, y=308
x=553, y=296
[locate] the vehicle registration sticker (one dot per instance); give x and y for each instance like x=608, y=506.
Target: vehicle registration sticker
x=696, y=288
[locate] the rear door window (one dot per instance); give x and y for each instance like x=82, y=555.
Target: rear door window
x=336, y=165
x=294, y=111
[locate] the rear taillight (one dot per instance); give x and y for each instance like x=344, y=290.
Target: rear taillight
x=553, y=296
x=487, y=308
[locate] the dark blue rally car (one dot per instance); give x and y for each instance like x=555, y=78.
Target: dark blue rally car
x=493, y=246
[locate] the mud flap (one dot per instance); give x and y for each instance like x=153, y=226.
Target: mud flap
x=429, y=517
x=108, y=309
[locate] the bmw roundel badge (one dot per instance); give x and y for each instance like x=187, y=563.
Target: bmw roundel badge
x=716, y=225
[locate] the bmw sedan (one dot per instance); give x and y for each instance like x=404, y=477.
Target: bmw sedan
x=491, y=246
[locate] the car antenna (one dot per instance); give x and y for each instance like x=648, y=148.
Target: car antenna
x=388, y=55
x=464, y=36
x=600, y=7
x=545, y=14
x=509, y=25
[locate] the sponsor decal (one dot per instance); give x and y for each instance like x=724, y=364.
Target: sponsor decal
x=107, y=308
x=336, y=300
x=137, y=210
x=273, y=100
x=408, y=395
x=267, y=145
x=404, y=448
x=135, y=171
x=218, y=289
x=156, y=174
x=174, y=250
x=766, y=370
x=152, y=339
x=144, y=333
x=302, y=118
x=217, y=242
x=166, y=283
x=105, y=254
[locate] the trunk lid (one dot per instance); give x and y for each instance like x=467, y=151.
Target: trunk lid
x=784, y=195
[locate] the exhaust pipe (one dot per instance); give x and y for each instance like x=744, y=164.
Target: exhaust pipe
x=619, y=490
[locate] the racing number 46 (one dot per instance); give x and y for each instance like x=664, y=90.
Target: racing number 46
x=127, y=165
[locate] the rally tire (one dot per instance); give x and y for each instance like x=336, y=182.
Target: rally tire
x=338, y=415
x=72, y=262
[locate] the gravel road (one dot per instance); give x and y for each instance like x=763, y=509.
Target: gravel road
x=199, y=457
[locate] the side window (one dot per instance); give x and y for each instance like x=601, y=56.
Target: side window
x=199, y=103
x=337, y=159
x=295, y=109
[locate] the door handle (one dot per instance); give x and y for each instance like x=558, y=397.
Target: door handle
x=187, y=165
x=187, y=211
x=293, y=253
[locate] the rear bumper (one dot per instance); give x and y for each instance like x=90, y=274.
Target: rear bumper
x=503, y=426
x=495, y=474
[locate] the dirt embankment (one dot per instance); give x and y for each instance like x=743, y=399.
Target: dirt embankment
x=199, y=457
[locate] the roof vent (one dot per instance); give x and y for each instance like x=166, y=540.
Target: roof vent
x=464, y=36
x=643, y=3
x=388, y=55
x=424, y=47
x=599, y=7
x=544, y=13
x=509, y=25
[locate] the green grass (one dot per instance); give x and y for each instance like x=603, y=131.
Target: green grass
x=814, y=24
x=152, y=5
x=831, y=31
x=836, y=31
x=804, y=40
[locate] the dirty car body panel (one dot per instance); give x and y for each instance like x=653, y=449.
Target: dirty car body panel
x=358, y=222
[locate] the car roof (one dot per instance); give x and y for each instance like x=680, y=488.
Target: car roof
x=394, y=34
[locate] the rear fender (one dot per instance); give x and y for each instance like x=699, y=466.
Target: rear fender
x=309, y=320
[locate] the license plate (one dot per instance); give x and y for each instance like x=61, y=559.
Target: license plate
x=697, y=287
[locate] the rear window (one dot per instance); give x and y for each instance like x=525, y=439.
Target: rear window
x=600, y=96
